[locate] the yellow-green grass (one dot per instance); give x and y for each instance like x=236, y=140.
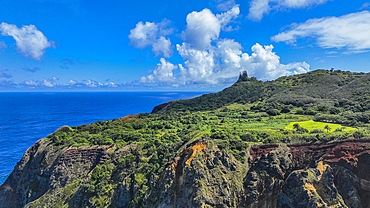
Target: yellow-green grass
x=310, y=125
x=236, y=106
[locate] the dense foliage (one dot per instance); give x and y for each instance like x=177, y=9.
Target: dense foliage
x=250, y=111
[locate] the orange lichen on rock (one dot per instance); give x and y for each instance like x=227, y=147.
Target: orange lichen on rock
x=200, y=146
x=321, y=167
x=309, y=187
x=206, y=206
x=217, y=150
x=174, y=164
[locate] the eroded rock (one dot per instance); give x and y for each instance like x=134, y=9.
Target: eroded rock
x=333, y=174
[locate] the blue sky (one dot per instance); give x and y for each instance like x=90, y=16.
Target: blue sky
x=80, y=45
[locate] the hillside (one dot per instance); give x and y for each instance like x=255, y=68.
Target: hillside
x=296, y=141
x=316, y=87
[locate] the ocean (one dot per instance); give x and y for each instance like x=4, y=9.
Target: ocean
x=26, y=117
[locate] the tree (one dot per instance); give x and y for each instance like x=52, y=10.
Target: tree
x=273, y=112
x=327, y=128
x=358, y=134
x=296, y=126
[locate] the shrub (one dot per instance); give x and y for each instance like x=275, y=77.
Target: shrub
x=359, y=117
x=331, y=118
x=248, y=137
x=65, y=129
x=317, y=131
x=310, y=112
x=263, y=135
x=334, y=110
x=138, y=125
x=358, y=134
x=285, y=110
x=299, y=112
x=219, y=135
x=273, y=112
x=302, y=130
x=322, y=107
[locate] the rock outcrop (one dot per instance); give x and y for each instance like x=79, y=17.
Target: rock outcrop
x=161, y=107
x=313, y=187
x=335, y=174
x=203, y=176
x=48, y=170
x=326, y=175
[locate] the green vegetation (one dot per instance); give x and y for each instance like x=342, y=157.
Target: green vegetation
x=250, y=111
x=313, y=125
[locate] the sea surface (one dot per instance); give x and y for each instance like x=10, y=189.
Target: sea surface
x=26, y=117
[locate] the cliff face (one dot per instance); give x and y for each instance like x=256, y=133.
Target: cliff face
x=327, y=175
x=46, y=171
x=203, y=175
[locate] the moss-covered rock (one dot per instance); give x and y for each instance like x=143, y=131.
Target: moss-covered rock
x=313, y=187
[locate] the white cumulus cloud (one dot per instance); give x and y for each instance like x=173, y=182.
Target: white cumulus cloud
x=29, y=40
x=31, y=83
x=227, y=17
x=72, y=84
x=89, y=84
x=351, y=31
x=203, y=27
x=365, y=5
x=44, y=83
x=153, y=34
x=162, y=73
x=162, y=46
x=50, y=82
x=198, y=65
x=143, y=34
x=265, y=64
x=211, y=60
x=222, y=63
x=258, y=8
x=224, y=5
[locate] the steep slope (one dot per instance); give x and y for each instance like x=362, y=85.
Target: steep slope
x=248, y=91
x=49, y=171
x=336, y=174
x=226, y=149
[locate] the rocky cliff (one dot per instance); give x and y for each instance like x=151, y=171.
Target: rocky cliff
x=335, y=174
x=327, y=175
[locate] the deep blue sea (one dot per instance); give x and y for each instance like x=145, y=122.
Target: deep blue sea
x=28, y=117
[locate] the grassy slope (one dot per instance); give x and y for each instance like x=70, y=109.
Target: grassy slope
x=317, y=87
x=311, y=125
